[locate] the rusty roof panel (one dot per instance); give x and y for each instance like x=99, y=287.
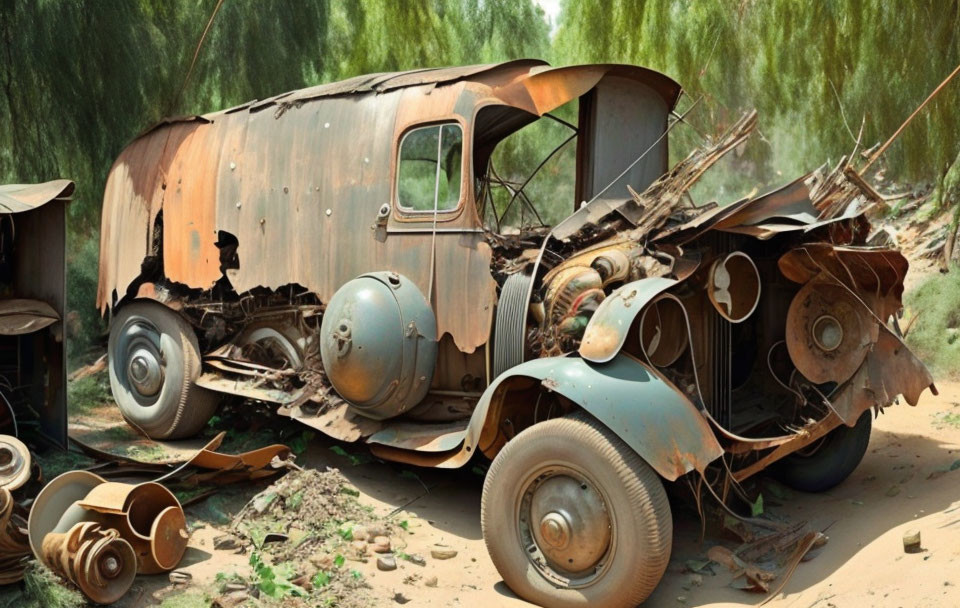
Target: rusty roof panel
x=15, y=198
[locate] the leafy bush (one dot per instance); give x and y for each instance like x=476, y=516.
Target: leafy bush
x=935, y=334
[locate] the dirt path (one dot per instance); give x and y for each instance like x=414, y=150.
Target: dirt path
x=865, y=518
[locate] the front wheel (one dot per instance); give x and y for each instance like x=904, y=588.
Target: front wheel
x=154, y=361
x=573, y=517
x=827, y=462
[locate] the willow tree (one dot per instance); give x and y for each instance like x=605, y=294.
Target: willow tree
x=78, y=80
x=813, y=70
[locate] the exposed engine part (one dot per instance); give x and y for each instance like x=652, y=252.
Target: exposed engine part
x=14, y=462
x=828, y=332
x=509, y=331
x=663, y=331
x=566, y=288
x=734, y=286
x=14, y=544
x=613, y=265
x=378, y=343
x=100, y=563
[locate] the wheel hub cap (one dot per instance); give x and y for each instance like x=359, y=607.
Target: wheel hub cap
x=145, y=372
x=572, y=527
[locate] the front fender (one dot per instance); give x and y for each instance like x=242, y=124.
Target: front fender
x=608, y=328
x=651, y=416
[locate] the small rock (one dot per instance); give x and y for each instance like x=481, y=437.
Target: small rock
x=226, y=542
x=893, y=491
x=234, y=598
x=380, y=544
x=417, y=559
x=386, y=563
x=180, y=577
x=359, y=546
x=321, y=561
x=911, y=541
x=682, y=599
x=443, y=553
x=234, y=587
x=431, y=581
x=361, y=533
x=696, y=580
x=400, y=598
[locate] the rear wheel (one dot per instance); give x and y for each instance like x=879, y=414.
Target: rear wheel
x=154, y=361
x=829, y=461
x=573, y=517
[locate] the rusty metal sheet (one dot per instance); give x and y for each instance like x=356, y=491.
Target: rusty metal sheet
x=16, y=198
x=890, y=369
x=438, y=437
x=874, y=272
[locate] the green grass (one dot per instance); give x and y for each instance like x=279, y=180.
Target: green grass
x=187, y=599
x=935, y=335
x=41, y=589
x=88, y=393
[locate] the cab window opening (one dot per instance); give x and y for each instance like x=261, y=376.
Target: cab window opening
x=430, y=169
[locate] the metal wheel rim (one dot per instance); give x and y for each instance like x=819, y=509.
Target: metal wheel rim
x=530, y=537
x=140, y=362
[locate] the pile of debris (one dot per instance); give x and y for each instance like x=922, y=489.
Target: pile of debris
x=302, y=533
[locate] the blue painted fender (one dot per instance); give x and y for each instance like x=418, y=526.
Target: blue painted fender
x=647, y=413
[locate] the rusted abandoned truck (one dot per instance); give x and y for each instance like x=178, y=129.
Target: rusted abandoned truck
x=325, y=250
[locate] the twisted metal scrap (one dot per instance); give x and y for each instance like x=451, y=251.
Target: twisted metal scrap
x=14, y=544
x=100, y=563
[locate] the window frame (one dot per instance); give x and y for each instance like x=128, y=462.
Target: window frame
x=410, y=214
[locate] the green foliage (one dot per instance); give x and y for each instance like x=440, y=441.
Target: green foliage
x=272, y=582
x=935, y=334
x=187, y=599
x=812, y=70
x=88, y=393
x=41, y=589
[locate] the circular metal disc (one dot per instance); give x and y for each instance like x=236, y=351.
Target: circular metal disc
x=14, y=462
x=835, y=359
x=168, y=537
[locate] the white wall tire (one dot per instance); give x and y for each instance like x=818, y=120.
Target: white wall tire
x=154, y=361
x=547, y=498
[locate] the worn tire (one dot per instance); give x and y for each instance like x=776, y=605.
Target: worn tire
x=833, y=461
x=179, y=408
x=642, y=525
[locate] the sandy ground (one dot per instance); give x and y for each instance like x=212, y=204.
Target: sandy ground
x=865, y=518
